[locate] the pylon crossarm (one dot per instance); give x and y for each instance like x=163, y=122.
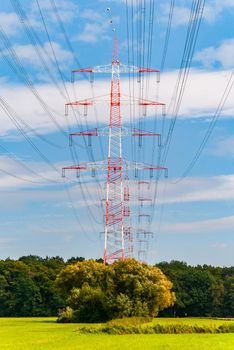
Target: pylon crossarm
x=102, y=166
x=99, y=132
x=142, y=200
x=143, y=166
x=144, y=104
x=144, y=233
x=123, y=68
x=80, y=103
x=89, y=133
x=143, y=182
x=141, y=133
x=84, y=103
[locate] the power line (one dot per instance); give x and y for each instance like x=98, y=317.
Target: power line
x=211, y=127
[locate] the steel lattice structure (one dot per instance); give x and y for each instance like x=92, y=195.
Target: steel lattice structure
x=118, y=232
x=114, y=226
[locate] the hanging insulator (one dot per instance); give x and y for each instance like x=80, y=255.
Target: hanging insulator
x=91, y=77
x=163, y=110
x=85, y=110
x=166, y=173
x=93, y=172
x=63, y=172
x=144, y=110
x=70, y=140
x=158, y=77
x=78, y=173
x=140, y=141
x=151, y=173
x=126, y=194
x=136, y=172
x=138, y=77
x=72, y=77
x=126, y=211
x=89, y=140
x=66, y=110
x=159, y=141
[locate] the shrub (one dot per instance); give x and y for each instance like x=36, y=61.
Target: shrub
x=126, y=288
x=89, y=304
x=66, y=316
x=144, y=326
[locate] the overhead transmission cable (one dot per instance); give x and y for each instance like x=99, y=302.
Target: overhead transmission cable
x=211, y=127
x=191, y=39
x=196, y=13
x=23, y=17
x=73, y=151
x=19, y=70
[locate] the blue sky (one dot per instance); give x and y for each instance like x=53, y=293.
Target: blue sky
x=193, y=219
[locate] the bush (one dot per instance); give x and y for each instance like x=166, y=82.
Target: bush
x=145, y=326
x=89, y=304
x=98, y=293
x=66, y=316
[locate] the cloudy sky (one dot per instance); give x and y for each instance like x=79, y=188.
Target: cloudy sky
x=41, y=41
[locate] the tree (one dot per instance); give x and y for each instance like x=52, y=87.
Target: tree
x=27, y=287
x=74, y=260
x=199, y=289
x=229, y=296
x=125, y=288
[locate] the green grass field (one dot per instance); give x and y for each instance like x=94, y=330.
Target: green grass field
x=46, y=334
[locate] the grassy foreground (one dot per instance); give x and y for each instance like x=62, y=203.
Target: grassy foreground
x=46, y=334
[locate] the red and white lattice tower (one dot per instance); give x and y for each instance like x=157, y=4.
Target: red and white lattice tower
x=114, y=225
x=118, y=232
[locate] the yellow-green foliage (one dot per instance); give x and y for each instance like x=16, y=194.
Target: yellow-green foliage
x=140, y=325
x=126, y=288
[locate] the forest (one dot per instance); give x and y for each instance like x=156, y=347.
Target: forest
x=31, y=286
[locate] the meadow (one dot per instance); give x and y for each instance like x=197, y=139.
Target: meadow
x=45, y=333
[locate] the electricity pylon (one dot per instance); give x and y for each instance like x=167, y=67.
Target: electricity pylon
x=118, y=233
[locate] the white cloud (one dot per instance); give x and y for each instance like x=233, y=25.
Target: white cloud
x=98, y=27
x=204, y=90
x=91, y=15
x=4, y=240
x=219, y=246
x=27, y=54
x=203, y=93
x=9, y=23
x=212, y=11
x=223, y=55
x=225, y=147
x=92, y=32
x=214, y=8
x=181, y=16
x=200, y=189
x=41, y=174
x=67, y=9
x=214, y=225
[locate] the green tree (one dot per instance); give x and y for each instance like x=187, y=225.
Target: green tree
x=125, y=288
x=27, y=287
x=228, y=305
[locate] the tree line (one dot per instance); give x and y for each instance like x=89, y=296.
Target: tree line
x=35, y=286
x=201, y=290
